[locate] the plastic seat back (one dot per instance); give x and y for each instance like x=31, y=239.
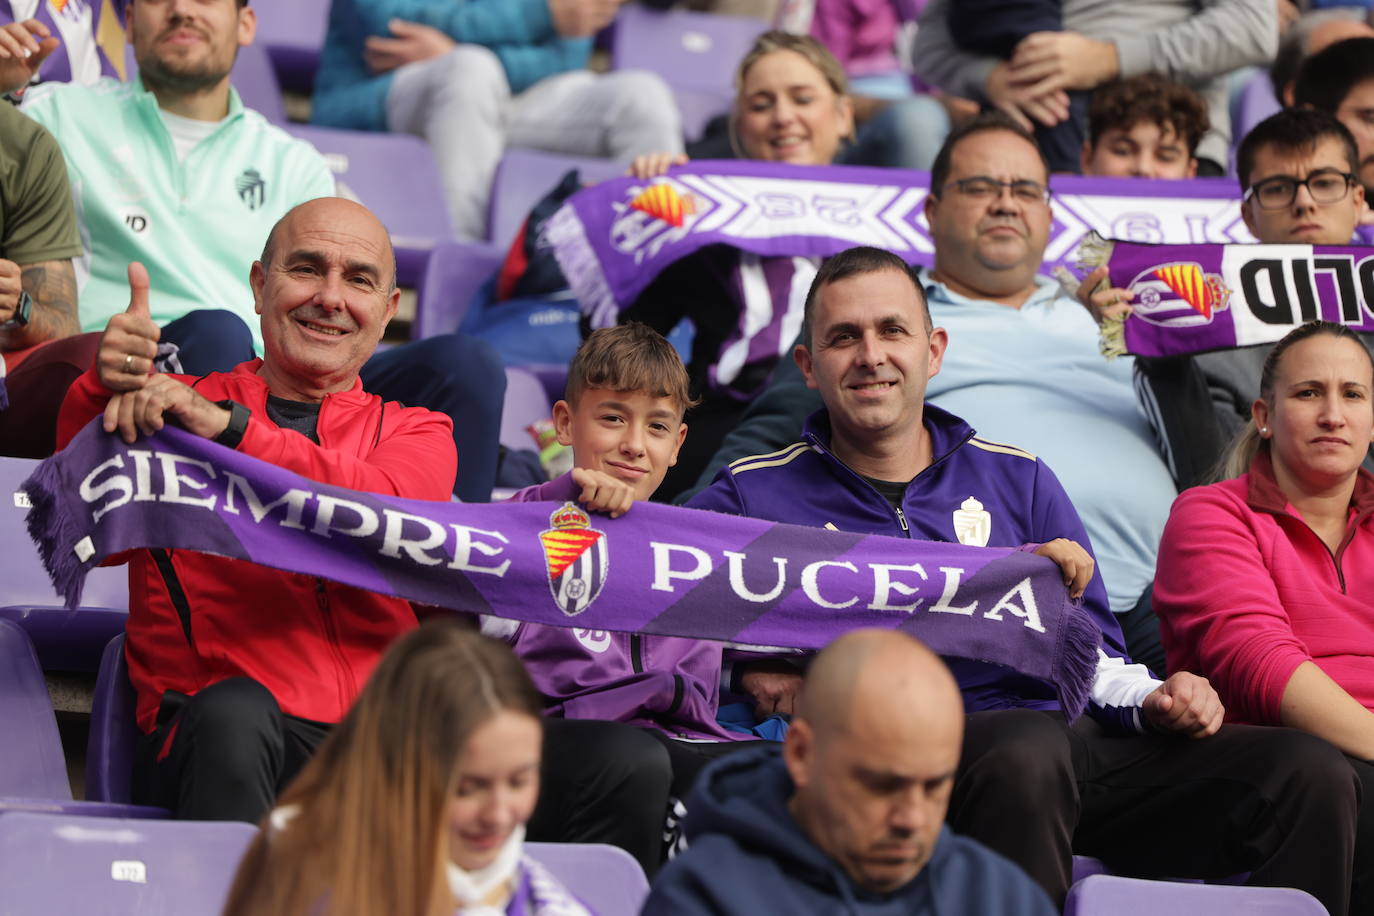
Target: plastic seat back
x=606, y=878
x=65, y=864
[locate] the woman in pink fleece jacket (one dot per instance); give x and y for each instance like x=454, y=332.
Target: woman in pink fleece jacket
x=1265, y=582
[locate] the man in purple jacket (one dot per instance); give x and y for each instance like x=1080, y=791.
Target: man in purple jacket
x=878, y=459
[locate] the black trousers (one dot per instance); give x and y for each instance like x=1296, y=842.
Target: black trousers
x=603, y=782
x=228, y=751
x=689, y=758
x=1274, y=802
x=222, y=754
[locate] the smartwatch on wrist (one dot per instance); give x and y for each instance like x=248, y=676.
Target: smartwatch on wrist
x=238, y=423
x=23, y=310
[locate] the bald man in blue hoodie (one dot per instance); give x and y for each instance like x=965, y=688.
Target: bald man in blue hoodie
x=850, y=816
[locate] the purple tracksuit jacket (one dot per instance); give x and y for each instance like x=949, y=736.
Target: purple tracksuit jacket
x=993, y=495
x=665, y=683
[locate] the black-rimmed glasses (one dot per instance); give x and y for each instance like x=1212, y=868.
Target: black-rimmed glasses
x=983, y=187
x=1325, y=185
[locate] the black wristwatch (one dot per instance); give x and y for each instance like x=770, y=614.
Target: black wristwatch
x=238, y=423
x=23, y=310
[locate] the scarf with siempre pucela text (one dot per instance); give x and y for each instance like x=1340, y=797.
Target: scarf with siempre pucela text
x=658, y=570
x=1196, y=298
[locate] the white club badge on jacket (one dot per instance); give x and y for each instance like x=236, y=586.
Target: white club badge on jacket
x=972, y=524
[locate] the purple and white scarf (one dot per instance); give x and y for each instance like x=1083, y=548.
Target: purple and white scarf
x=614, y=238
x=1195, y=298
x=658, y=570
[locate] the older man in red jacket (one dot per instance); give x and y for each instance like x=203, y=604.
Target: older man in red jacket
x=240, y=669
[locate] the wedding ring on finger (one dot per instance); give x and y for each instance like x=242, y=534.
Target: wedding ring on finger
x=128, y=364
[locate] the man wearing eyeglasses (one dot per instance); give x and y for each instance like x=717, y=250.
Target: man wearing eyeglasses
x=1025, y=365
x=1298, y=179
x=1298, y=176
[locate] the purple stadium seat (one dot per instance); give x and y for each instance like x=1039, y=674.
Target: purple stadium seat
x=65, y=640
x=80, y=865
x=113, y=732
x=32, y=764
x=695, y=53
x=33, y=773
x=1105, y=895
x=454, y=273
x=525, y=403
x=1083, y=866
x=554, y=378
x=293, y=31
x=1256, y=103
x=606, y=878
x=256, y=83
x=525, y=176
x=395, y=177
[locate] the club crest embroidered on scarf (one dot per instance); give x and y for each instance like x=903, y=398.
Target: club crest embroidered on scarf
x=575, y=553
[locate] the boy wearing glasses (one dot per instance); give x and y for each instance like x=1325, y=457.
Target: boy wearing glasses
x=1298, y=174
x=1298, y=179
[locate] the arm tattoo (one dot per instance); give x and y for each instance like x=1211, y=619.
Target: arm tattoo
x=52, y=284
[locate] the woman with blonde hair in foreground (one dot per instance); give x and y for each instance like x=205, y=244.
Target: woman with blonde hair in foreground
x=417, y=801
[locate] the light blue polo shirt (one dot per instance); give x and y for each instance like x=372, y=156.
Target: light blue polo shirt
x=197, y=224
x=1034, y=377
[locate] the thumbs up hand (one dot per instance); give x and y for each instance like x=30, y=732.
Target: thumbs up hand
x=125, y=358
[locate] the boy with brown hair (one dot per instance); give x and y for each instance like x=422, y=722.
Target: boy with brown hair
x=1147, y=126
x=626, y=395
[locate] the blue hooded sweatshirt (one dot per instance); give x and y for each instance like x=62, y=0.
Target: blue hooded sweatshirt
x=747, y=855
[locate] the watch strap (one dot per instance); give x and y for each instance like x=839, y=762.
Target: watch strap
x=238, y=423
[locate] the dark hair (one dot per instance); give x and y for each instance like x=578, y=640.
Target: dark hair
x=1249, y=442
x=1326, y=78
x=1293, y=45
x=1293, y=130
x=629, y=357
x=988, y=120
x=853, y=262
x=1150, y=98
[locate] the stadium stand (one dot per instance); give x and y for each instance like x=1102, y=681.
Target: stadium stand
x=1106, y=895
x=113, y=734
x=293, y=33
x=526, y=175
x=65, y=640
x=526, y=403
x=33, y=773
x=606, y=878
x=695, y=53
x=453, y=274
x=61, y=865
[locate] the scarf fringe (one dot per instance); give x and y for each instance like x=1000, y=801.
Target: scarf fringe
x=1111, y=336
x=55, y=532
x=1077, y=662
x=1093, y=252
x=566, y=235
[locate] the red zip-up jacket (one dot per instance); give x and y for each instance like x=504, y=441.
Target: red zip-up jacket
x=197, y=619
